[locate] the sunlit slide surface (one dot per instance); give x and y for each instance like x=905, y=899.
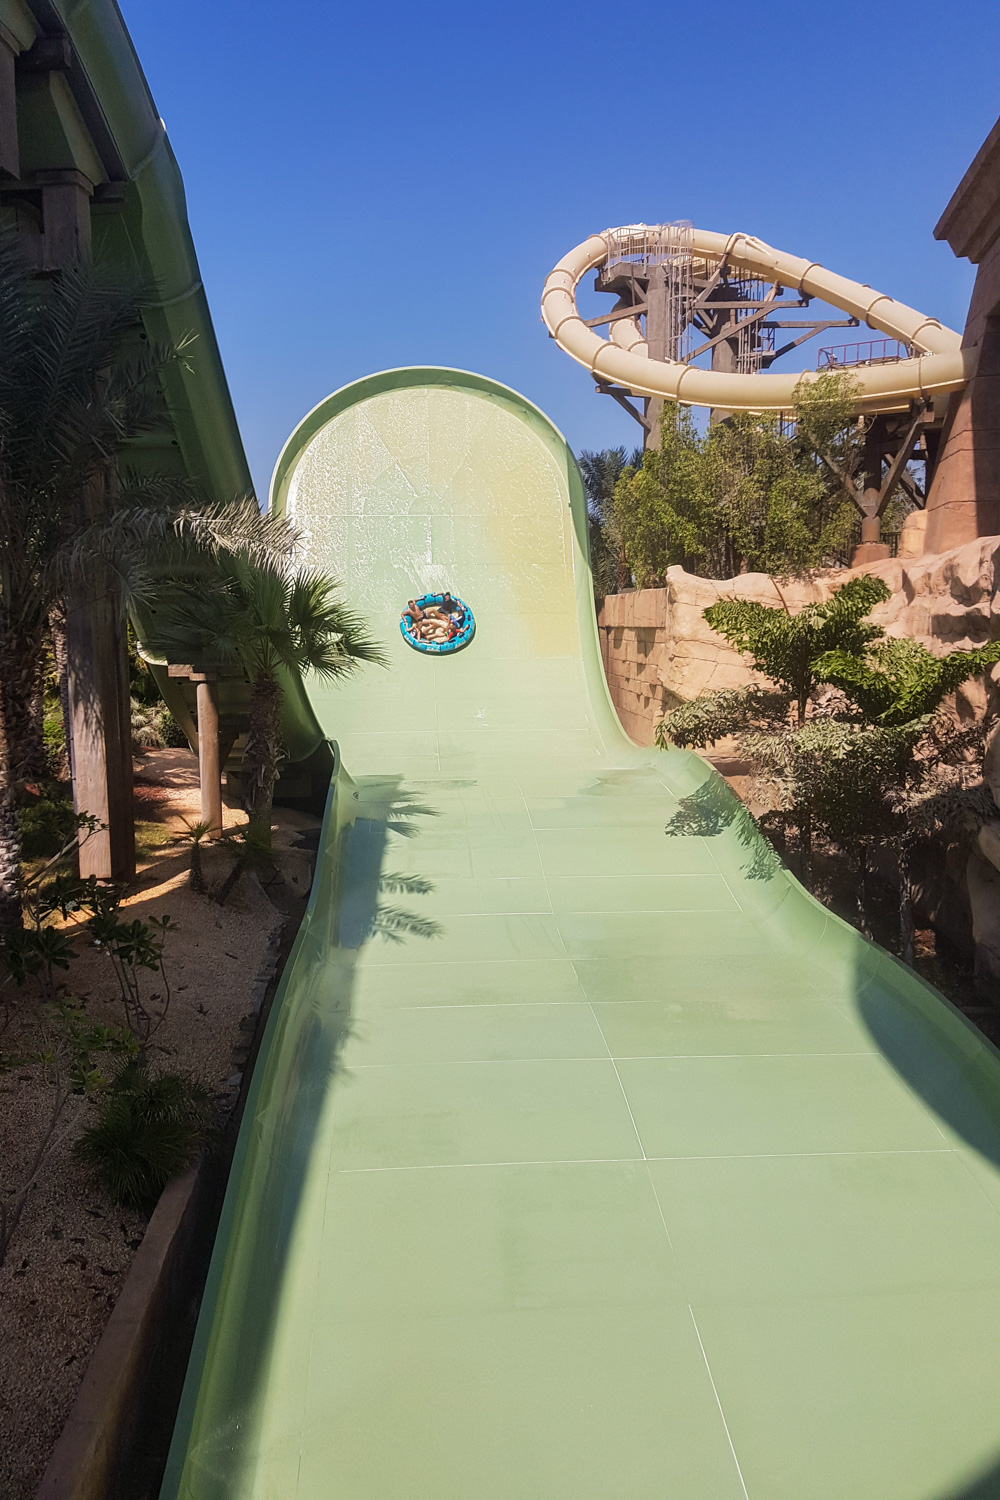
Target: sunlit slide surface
x=587, y=1157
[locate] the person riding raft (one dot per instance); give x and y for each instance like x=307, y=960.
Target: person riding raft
x=437, y=623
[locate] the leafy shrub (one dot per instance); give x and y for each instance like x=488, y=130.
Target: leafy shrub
x=155, y=728
x=47, y=825
x=53, y=732
x=151, y=1127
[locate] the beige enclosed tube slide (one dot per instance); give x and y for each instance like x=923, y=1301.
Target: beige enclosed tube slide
x=940, y=367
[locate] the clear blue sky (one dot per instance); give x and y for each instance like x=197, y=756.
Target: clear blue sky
x=386, y=184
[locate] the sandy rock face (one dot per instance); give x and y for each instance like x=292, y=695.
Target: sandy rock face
x=659, y=651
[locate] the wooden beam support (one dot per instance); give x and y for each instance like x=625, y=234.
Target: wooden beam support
x=10, y=156
x=66, y=195
x=901, y=458
x=622, y=398
x=615, y=314
x=734, y=327
x=913, y=490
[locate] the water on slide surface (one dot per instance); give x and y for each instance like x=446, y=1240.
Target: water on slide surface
x=585, y=1161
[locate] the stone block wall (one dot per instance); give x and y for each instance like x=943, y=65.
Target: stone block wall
x=633, y=629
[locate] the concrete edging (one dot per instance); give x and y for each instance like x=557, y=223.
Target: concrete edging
x=82, y=1464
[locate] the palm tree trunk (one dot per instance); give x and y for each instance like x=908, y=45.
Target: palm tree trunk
x=263, y=751
x=907, y=926
x=20, y=665
x=35, y=760
x=863, y=890
x=806, y=846
x=57, y=627
x=10, y=832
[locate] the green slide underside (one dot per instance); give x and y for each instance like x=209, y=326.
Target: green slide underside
x=584, y=1160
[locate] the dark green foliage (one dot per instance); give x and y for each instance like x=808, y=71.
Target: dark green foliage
x=897, y=681
x=601, y=472
x=54, y=733
x=151, y=1128
x=26, y=951
x=659, y=505
x=153, y=725
x=785, y=647
x=251, y=846
x=265, y=618
x=712, y=717
x=880, y=766
x=76, y=384
x=47, y=823
x=751, y=493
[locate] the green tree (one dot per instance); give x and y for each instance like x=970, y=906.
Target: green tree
x=75, y=386
x=753, y=493
x=772, y=508
x=877, y=767
x=787, y=647
x=659, y=505
x=828, y=434
x=267, y=619
x=893, y=682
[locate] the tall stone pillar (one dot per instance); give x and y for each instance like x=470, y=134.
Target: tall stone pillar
x=964, y=497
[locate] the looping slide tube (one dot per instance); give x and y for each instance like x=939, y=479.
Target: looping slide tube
x=941, y=366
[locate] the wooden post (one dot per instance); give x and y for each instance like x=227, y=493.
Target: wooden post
x=66, y=195
x=209, y=769
x=872, y=548
x=97, y=676
x=10, y=160
x=210, y=757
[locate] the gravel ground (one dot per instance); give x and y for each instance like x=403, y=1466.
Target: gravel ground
x=73, y=1248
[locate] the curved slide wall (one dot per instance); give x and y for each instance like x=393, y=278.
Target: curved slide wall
x=583, y=1159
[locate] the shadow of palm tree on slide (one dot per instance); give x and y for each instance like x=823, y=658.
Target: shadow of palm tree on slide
x=301, y=1060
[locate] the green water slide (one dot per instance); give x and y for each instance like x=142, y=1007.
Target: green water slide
x=584, y=1160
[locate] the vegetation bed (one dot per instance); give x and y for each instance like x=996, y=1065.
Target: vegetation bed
x=74, y=1245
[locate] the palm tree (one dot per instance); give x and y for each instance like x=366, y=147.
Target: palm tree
x=266, y=619
x=601, y=472
x=71, y=395
x=76, y=385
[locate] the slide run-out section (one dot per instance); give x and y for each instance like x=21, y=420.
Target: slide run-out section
x=587, y=1157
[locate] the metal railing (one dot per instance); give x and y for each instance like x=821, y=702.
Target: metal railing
x=647, y=244
x=869, y=352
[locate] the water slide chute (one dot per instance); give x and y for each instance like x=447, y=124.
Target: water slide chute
x=940, y=366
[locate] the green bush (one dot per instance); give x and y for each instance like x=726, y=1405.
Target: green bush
x=47, y=825
x=151, y=1127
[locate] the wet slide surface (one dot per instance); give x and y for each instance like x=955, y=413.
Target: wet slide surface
x=585, y=1160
